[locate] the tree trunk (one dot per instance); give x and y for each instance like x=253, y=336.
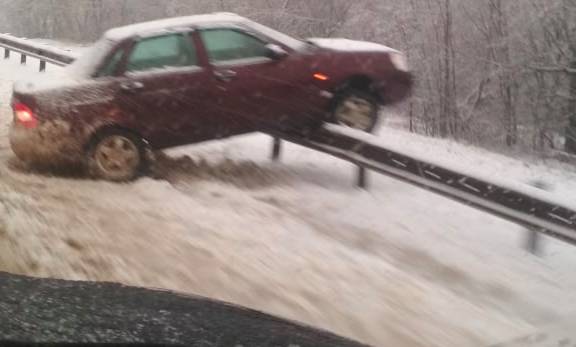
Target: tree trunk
x=448, y=112
x=499, y=53
x=570, y=145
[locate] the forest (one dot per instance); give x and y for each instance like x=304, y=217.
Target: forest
x=495, y=73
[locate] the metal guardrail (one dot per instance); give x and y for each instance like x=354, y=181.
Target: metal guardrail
x=535, y=211
x=26, y=48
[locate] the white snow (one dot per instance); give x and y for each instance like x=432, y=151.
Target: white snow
x=121, y=33
x=549, y=336
x=73, y=48
x=89, y=58
x=57, y=78
x=468, y=165
x=214, y=19
x=87, y=62
x=27, y=79
x=41, y=44
x=395, y=265
x=347, y=45
x=278, y=36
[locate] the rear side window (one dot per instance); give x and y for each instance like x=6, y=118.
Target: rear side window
x=227, y=44
x=174, y=50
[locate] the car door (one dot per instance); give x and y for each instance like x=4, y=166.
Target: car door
x=163, y=89
x=255, y=90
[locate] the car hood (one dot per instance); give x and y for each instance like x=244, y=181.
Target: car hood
x=346, y=45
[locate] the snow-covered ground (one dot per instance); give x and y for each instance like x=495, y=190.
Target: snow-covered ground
x=392, y=266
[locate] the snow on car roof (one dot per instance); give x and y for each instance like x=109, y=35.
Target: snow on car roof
x=124, y=32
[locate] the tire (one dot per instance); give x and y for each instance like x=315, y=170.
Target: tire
x=356, y=109
x=116, y=155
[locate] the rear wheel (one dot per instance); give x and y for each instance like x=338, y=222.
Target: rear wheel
x=116, y=155
x=357, y=110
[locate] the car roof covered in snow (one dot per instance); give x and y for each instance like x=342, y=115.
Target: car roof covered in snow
x=144, y=28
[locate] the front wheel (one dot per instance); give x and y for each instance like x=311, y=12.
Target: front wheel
x=117, y=156
x=357, y=110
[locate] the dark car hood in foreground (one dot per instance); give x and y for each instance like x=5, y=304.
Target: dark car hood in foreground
x=48, y=311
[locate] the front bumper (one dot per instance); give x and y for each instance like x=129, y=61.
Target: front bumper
x=50, y=143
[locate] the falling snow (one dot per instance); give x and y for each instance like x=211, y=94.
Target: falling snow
x=394, y=265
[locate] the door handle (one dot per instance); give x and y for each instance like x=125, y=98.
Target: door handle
x=132, y=86
x=225, y=75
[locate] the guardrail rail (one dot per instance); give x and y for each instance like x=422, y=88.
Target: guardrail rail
x=532, y=208
x=42, y=52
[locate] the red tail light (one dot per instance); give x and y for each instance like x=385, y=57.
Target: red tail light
x=25, y=116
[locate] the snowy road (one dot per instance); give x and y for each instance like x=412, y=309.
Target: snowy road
x=395, y=266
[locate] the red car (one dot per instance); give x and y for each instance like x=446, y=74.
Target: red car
x=178, y=81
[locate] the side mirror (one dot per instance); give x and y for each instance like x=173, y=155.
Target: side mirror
x=275, y=52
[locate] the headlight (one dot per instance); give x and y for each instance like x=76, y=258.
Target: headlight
x=399, y=61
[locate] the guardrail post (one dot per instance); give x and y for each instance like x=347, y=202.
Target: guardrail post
x=362, y=177
x=533, y=241
x=23, y=59
x=276, y=148
x=42, y=65
x=6, y=53
x=533, y=238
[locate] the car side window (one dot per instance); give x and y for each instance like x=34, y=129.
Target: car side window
x=227, y=44
x=174, y=50
x=111, y=66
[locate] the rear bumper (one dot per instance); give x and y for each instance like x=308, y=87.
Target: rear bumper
x=50, y=143
x=396, y=88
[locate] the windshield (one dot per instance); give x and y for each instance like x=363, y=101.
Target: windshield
x=405, y=177
x=289, y=41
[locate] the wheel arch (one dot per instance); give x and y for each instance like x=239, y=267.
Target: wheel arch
x=360, y=82
x=106, y=128
x=110, y=129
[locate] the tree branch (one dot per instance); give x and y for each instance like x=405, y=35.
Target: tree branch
x=566, y=97
x=561, y=69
